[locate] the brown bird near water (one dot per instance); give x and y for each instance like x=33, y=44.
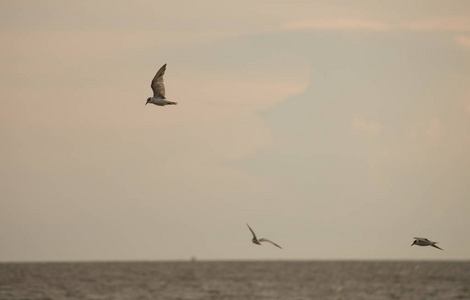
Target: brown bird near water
x=425, y=242
x=257, y=241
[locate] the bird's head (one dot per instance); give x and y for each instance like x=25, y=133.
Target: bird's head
x=148, y=100
x=413, y=243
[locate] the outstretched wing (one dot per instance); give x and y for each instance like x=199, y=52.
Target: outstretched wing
x=252, y=232
x=422, y=239
x=434, y=245
x=157, y=83
x=266, y=240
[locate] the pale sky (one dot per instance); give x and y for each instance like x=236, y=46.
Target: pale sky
x=339, y=130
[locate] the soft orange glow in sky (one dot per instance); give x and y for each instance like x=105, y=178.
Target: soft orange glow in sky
x=319, y=123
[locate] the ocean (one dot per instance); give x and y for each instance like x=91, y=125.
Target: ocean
x=244, y=280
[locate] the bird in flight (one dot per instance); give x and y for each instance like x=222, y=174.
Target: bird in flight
x=425, y=242
x=159, y=89
x=257, y=242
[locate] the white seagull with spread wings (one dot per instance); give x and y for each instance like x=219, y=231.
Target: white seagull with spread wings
x=159, y=90
x=425, y=242
x=257, y=242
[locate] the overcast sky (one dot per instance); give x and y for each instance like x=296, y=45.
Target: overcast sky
x=339, y=130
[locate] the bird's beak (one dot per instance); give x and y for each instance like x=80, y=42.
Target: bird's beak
x=412, y=244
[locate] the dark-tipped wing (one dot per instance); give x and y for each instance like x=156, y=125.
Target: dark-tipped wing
x=434, y=245
x=266, y=240
x=252, y=232
x=157, y=83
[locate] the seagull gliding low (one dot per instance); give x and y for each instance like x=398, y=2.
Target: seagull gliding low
x=425, y=242
x=257, y=242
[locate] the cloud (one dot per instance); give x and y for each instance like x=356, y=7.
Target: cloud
x=362, y=125
x=337, y=24
x=434, y=128
x=463, y=40
x=438, y=24
x=448, y=23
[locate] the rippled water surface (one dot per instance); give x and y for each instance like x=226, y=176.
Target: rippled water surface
x=236, y=280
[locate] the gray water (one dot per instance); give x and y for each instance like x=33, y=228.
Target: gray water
x=236, y=280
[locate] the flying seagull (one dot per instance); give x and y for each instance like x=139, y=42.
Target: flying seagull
x=257, y=242
x=425, y=242
x=159, y=89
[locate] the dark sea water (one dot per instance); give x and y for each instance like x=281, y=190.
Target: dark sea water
x=236, y=280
